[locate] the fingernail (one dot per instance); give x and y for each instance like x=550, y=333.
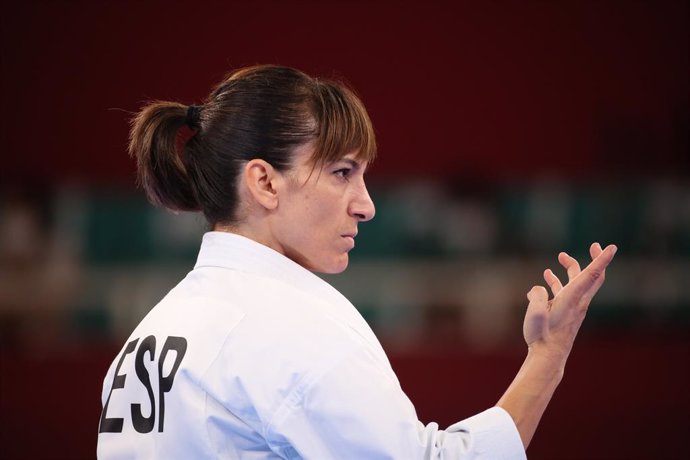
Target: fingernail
x=615, y=249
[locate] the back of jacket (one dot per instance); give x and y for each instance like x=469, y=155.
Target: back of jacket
x=253, y=357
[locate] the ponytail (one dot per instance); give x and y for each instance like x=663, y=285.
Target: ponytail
x=160, y=170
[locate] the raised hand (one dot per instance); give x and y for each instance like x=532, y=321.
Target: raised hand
x=551, y=325
x=550, y=328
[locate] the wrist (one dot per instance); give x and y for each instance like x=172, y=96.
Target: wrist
x=530, y=392
x=546, y=362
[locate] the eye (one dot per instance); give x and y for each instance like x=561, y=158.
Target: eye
x=343, y=172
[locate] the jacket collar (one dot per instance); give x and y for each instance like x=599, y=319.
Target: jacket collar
x=236, y=252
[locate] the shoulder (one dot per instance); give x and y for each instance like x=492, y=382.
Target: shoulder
x=259, y=334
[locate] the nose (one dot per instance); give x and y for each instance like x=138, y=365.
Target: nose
x=362, y=207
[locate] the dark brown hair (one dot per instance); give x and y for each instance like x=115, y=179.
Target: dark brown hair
x=259, y=112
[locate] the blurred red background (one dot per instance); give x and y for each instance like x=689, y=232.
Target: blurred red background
x=489, y=93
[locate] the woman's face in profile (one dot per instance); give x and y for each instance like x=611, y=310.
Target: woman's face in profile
x=319, y=209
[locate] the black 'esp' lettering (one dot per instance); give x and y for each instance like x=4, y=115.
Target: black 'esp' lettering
x=165, y=383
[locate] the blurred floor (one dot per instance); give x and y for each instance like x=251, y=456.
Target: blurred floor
x=623, y=397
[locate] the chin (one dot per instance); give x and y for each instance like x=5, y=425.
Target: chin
x=333, y=268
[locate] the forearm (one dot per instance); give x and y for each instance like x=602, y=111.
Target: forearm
x=530, y=392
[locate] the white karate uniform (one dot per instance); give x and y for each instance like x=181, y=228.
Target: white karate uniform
x=262, y=359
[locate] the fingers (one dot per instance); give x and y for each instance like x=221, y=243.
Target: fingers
x=595, y=250
x=570, y=264
x=572, y=267
x=568, y=308
x=601, y=259
x=553, y=281
x=588, y=284
x=595, y=271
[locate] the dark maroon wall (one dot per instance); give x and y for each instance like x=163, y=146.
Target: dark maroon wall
x=491, y=88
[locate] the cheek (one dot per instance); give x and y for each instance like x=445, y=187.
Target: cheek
x=306, y=223
x=319, y=210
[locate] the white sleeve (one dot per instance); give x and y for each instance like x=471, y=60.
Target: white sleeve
x=356, y=411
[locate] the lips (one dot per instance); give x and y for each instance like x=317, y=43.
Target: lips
x=350, y=237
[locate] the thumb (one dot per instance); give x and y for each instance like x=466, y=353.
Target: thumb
x=538, y=299
x=535, y=327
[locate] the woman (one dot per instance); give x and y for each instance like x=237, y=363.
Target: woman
x=252, y=355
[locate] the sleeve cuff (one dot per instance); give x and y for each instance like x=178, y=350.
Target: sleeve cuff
x=494, y=435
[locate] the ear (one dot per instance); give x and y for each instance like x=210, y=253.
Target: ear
x=260, y=178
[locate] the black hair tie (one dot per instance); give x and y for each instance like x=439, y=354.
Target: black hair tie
x=192, y=118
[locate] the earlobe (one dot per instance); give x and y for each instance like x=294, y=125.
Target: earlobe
x=259, y=177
